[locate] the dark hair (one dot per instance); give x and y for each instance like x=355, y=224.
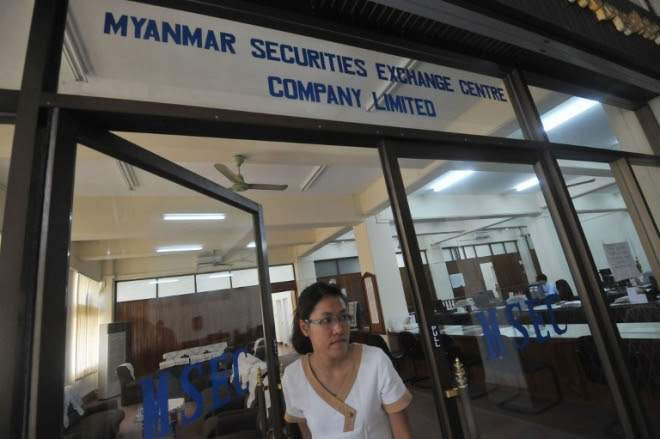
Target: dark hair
x=306, y=303
x=541, y=277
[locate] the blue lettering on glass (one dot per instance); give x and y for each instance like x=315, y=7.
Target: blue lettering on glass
x=165, y=32
x=491, y=329
x=537, y=320
x=111, y=25
x=404, y=105
x=508, y=312
x=492, y=335
x=207, y=39
x=174, y=34
x=190, y=390
x=553, y=318
x=304, y=57
x=482, y=90
x=154, y=402
x=192, y=38
x=137, y=24
x=295, y=89
x=154, y=397
x=417, y=78
x=152, y=31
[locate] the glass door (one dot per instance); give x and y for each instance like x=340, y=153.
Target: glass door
x=496, y=294
x=168, y=310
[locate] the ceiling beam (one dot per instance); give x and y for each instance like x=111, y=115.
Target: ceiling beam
x=484, y=24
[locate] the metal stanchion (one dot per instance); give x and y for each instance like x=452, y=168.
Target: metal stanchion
x=465, y=411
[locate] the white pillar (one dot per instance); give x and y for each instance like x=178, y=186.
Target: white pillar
x=305, y=273
x=437, y=266
x=526, y=258
x=377, y=255
x=548, y=249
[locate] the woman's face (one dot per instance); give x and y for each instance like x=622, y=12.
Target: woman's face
x=326, y=330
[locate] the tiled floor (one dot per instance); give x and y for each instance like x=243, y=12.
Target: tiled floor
x=567, y=420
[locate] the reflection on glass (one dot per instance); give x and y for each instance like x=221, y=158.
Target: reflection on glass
x=273, y=72
x=648, y=178
x=575, y=120
x=6, y=139
x=629, y=285
x=153, y=336
x=505, y=303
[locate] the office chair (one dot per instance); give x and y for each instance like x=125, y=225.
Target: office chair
x=413, y=350
x=131, y=392
x=593, y=370
x=512, y=364
x=378, y=341
x=564, y=289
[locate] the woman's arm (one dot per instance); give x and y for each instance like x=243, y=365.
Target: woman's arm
x=399, y=424
x=304, y=429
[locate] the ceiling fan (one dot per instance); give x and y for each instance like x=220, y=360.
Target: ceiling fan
x=217, y=258
x=239, y=184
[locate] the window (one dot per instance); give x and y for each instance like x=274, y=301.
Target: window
x=84, y=323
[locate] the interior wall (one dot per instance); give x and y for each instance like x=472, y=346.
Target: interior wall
x=189, y=320
x=649, y=181
x=548, y=250
x=609, y=228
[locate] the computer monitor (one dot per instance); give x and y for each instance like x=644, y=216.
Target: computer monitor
x=485, y=299
x=608, y=279
x=536, y=291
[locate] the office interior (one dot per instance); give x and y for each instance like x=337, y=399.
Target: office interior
x=170, y=290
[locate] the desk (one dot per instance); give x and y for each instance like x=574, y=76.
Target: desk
x=565, y=313
x=639, y=330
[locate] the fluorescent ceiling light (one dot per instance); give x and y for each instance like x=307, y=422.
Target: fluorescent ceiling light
x=251, y=244
x=73, y=52
x=193, y=216
x=225, y=274
x=450, y=178
x=527, y=184
x=179, y=248
x=163, y=281
x=312, y=177
x=128, y=174
x=568, y=110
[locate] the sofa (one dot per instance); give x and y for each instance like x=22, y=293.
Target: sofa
x=98, y=420
x=192, y=355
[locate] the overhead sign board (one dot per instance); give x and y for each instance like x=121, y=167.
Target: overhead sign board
x=143, y=52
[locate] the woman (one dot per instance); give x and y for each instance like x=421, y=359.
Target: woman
x=337, y=389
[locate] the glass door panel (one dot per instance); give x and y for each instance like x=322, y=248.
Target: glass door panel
x=164, y=305
x=504, y=301
x=626, y=271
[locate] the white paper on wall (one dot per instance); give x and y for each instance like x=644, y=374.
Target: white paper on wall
x=620, y=260
x=457, y=280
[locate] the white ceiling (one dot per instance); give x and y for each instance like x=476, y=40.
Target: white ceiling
x=125, y=227
x=112, y=223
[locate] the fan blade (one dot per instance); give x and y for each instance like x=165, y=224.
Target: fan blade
x=268, y=187
x=227, y=173
x=581, y=182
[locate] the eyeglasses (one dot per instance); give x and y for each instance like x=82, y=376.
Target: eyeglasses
x=329, y=322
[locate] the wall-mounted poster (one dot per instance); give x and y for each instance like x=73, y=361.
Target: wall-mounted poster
x=621, y=261
x=373, y=303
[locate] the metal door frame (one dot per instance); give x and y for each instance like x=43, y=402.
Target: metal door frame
x=33, y=259
x=542, y=156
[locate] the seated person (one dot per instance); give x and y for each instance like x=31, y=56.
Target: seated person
x=548, y=287
x=565, y=291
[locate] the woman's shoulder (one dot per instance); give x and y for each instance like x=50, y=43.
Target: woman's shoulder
x=293, y=370
x=370, y=352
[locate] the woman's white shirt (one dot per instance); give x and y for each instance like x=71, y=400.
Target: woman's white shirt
x=359, y=410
